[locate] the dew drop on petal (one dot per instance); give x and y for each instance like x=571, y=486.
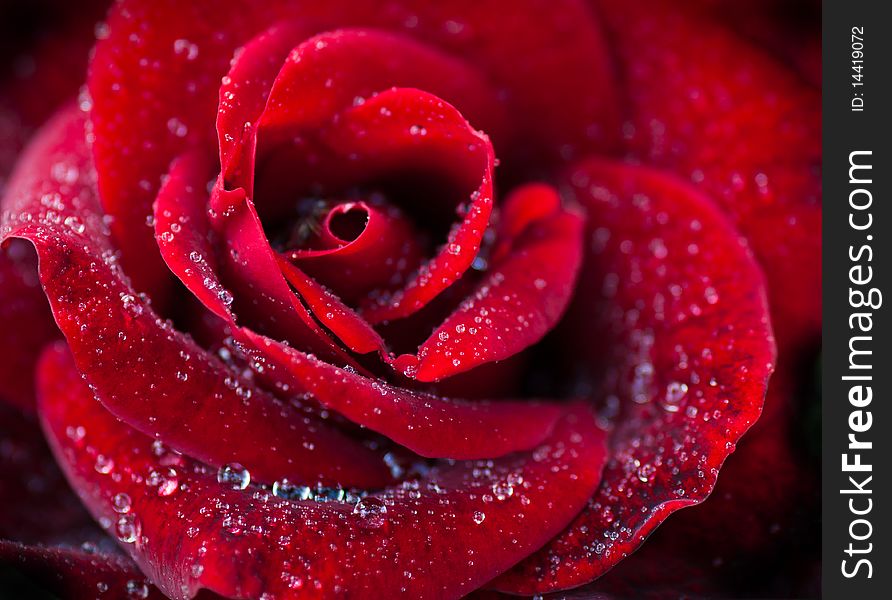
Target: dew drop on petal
x=234, y=475
x=137, y=589
x=127, y=529
x=372, y=511
x=121, y=503
x=289, y=491
x=104, y=464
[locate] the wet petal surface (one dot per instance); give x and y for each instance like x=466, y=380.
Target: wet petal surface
x=246, y=542
x=687, y=350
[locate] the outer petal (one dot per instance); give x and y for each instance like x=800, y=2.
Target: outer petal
x=173, y=389
x=686, y=350
x=71, y=574
x=36, y=504
x=740, y=126
x=247, y=543
x=26, y=323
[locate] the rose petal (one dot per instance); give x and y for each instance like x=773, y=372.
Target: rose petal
x=148, y=62
x=269, y=89
x=26, y=324
x=36, y=504
x=247, y=543
x=678, y=305
x=71, y=574
x=771, y=522
x=522, y=297
x=404, y=128
x=342, y=321
x=381, y=257
x=183, y=234
x=396, y=130
x=426, y=424
x=692, y=88
x=173, y=389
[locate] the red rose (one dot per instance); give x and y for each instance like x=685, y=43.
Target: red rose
x=374, y=298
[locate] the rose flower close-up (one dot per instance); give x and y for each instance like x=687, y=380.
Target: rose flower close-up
x=393, y=298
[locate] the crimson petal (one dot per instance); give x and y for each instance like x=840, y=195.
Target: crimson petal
x=196, y=404
x=183, y=234
x=338, y=318
x=26, y=324
x=428, y=425
x=71, y=574
x=269, y=89
x=692, y=88
x=381, y=257
x=148, y=62
x=522, y=297
x=247, y=543
x=36, y=504
x=679, y=305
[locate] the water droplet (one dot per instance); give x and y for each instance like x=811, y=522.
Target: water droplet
x=177, y=127
x=166, y=481
x=186, y=48
x=75, y=434
x=289, y=491
x=372, y=511
x=137, y=589
x=479, y=517
x=502, y=490
x=121, y=503
x=325, y=494
x=127, y=529
x=234, y=475
x=131, y=304
x=104, y=464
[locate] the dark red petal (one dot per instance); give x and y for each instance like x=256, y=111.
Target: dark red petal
x=677, y=306
x=741, y=127
x=522, y=297
x=247, y=543
x=396, y=130
x=162, y=54
x=26, y=324
x=404, y=128
x=338, y=318
x=183, y=234
x=770, y=522
x=36, y=504
x=243, y=95
x=381, y=257
x=70, y=574
x=321, y=77
x=426, y=424
x=142, y=369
